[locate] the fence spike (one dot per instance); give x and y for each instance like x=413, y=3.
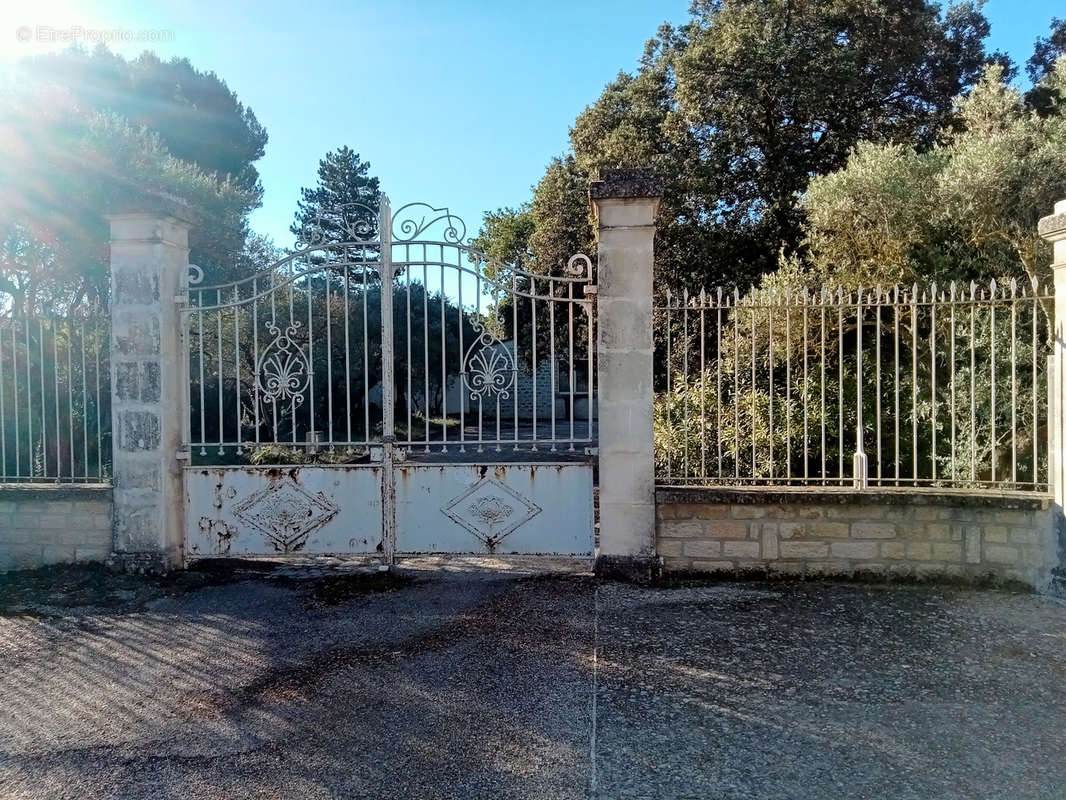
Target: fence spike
x=1013, y=287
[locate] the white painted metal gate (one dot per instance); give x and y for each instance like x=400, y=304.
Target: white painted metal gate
x=386, y=388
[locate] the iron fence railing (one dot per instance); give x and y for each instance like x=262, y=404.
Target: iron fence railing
x=55, y=400
x=899, y=387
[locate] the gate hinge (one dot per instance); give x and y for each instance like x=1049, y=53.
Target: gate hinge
x=182, y=299
x=592, y=288
x=183, y=455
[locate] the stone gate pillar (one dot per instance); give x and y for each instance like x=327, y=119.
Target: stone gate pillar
x=149, y=267
x=1053, y=229
x=625, y=202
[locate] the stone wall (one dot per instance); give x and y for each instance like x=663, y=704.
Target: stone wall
x=844, y=533
x=42, y=525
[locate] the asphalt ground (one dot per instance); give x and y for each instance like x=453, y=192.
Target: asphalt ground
x=522, y=679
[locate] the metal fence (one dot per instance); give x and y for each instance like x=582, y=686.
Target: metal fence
x=898, y=387
x=389, y=334
x=55, y=406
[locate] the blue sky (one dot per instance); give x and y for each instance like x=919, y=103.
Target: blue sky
x=458, y=103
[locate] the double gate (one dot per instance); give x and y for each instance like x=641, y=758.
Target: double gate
x=387, y=388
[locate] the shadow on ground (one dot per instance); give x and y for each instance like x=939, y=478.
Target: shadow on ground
x=521, y=679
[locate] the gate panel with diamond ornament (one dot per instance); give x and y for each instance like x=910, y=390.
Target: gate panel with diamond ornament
x=386, y=388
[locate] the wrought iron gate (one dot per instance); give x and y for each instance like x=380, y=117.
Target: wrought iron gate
x=387, y=388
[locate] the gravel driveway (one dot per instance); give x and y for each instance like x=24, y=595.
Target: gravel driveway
x=528, y=679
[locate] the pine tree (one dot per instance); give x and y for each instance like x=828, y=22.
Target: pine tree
x=345, y=197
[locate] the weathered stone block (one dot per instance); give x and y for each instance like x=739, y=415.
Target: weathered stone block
x=893, y=549
x=135, y=286
x=740, y=549
x=996, y=533
x=139, y=431
x=857, y=512
x=1024, y=536
x=792, y=549
x=769, y=544
x=873, y=530
x=713, y=566
x=862, y=550
x=709, y=511
x=938, y=531
x=668, y=547
x=947, y=551
x=702, y=548
x=682, y=528
x=135, y=335
x=920, y=551
x=137, y=474
x=973, y=545
x=1012, y=517
x=748, y=512
x=828, y=530
x=727, y=529
x=1001, y=554
x=793, y=530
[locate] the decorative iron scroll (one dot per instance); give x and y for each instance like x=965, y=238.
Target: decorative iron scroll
x=351, y=222
x=284, y=371
x=488, y=368
x=413, y=219
x=580, y=266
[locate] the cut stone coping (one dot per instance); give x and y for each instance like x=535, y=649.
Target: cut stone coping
x=832, y=496
x=55, y=491
x=1052, y=227
x=625, y=182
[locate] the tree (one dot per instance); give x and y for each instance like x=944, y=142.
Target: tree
x=964, y=210
x=738, y=108
x=504, y=237
x=1046, y=51
x=345, y=197
x=62, y=168
x=86, y=133
x=198, y=118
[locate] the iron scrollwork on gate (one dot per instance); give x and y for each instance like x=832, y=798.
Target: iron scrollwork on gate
x=284, y=370
x=488, y=367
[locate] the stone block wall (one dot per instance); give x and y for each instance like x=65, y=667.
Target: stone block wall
x=42, y=525
x=844, y=533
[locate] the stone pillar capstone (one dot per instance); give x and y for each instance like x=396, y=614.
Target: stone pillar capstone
x=149, y=269
x=625, y=202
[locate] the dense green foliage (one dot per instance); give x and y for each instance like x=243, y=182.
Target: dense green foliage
x=740, y=107
x=70, y=154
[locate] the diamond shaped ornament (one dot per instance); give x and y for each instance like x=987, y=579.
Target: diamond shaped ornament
x=286, y=513
x=491, y=510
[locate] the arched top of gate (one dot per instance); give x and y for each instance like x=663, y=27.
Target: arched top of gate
x=425, y=224
x=347, y=224
x=412, y=221
x=340, y=229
